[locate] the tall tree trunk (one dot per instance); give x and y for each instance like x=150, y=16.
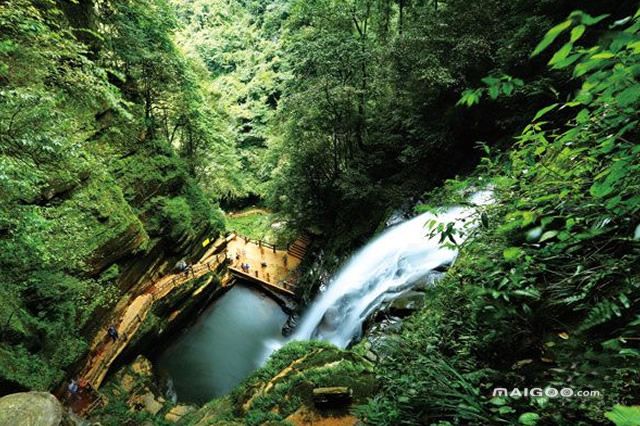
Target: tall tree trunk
x=362, y=27
x=401, y=5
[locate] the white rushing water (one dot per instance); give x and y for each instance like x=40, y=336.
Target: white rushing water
x=386, y=267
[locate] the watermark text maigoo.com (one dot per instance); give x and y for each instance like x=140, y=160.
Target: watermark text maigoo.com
x=549, y=392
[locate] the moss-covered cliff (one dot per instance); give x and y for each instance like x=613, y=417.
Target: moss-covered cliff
x=94, y=198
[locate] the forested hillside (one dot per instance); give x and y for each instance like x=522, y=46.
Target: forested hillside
x=99, y=111
x=128, y=128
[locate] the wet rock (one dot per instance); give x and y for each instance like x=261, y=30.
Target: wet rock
x=331, y=319
x=30, y=409
x=137, y=384
x=290, y=325
x=442, y=268
x=151, y=405
x=390, y=325
x=336, y=396
x=428, y=281
x=379, y=336
x=407, y=303
x=371, y=356
x=395, y=218
x=140, y=371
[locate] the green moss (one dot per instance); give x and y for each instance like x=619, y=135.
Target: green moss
x=258, y=224
x=92, y=218
x=305, y=365
x=254, y=224
x=17, y=366
x=169, y=202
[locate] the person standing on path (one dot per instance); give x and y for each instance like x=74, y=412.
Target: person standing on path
x=73, y=389
x=113, y=333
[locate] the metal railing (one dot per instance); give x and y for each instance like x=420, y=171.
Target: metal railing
x=105, y=361
x=191, y=273
x=262, y=243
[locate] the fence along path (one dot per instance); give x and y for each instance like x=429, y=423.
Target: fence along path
x=129, y=317
x=272, y=267
x=266, y=264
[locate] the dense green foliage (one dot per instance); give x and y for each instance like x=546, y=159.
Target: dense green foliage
x=547, y=294
x=123, y=125
x=368, y=117
x=236, y=43
x=88, y=174
x=340, y=110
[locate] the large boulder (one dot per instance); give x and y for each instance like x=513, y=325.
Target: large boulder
x=30, y=409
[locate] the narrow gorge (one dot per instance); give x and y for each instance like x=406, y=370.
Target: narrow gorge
x=319, y=212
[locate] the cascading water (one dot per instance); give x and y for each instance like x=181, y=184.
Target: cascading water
x=382, y=270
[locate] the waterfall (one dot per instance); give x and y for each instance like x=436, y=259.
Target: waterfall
x=386, y=267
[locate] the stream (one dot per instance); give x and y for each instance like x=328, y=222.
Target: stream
x=238, y=332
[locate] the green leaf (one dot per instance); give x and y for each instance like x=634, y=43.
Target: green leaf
x=587, y=19
x=499, y=401
x=576, y=33
x=570, y=60
x=512, y=253
x=561, y=54
x=614, y=174
x=507, y=88
x=583, y=116
x=548, y=235
x=530, y=292
x=543, y=111
x=470, y=97
x=490, y=81
x=624, y=300
x=494, y=92
x=628, y=96
x=635, y=46
x=603, y=55
x=550, y=36
x=506, y=410
x=529, y=419
x=624, y=416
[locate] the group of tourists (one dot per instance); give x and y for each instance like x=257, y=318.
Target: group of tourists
x=79, y=387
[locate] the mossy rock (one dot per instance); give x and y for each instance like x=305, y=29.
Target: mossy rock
x=30, y=409
x=95, y=227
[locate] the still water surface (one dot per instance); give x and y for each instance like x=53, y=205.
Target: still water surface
x=224, y=346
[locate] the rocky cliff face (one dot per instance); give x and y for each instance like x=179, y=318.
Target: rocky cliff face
x=79, y=236
x=94, y=196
